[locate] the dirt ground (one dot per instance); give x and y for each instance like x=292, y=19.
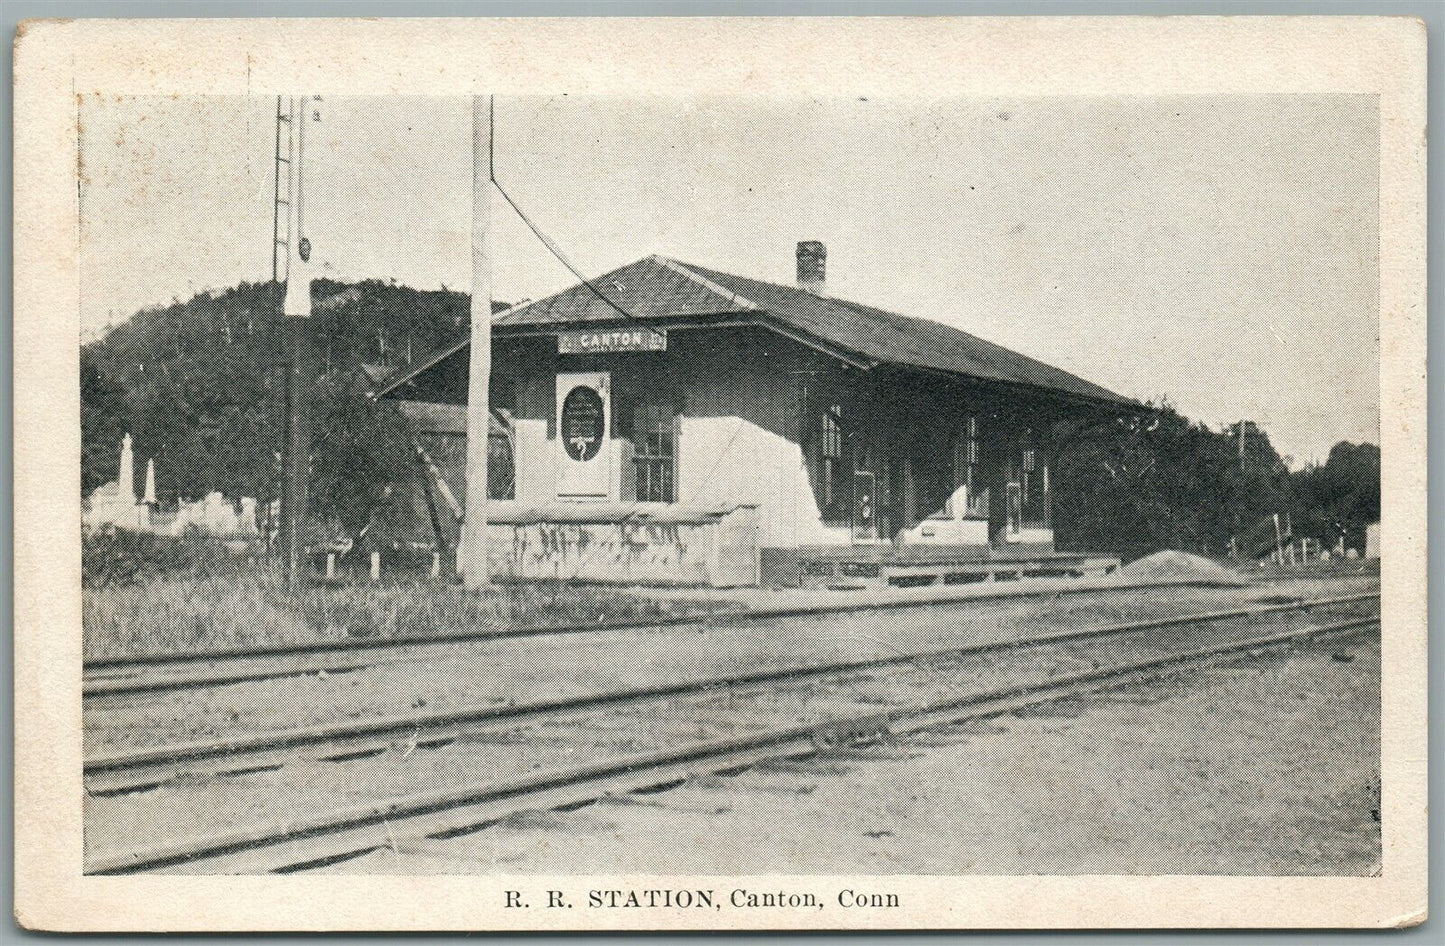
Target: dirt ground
x=1267, y=767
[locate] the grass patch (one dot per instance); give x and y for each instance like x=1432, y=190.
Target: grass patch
x=189, y=612
x=111, y=557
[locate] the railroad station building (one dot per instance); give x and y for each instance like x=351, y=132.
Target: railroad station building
x=695, y=426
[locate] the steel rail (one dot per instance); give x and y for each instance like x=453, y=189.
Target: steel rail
x=726, y=617
x=99, y=687
x=130, y=686
x=172, y=755
x=983, y=705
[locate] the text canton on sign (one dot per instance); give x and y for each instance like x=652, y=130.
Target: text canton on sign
x=611, y=340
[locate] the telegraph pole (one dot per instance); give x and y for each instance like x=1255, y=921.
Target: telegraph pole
x=300, y=112
x=472, y=553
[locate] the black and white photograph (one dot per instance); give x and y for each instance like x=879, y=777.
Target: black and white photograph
x=737, y=488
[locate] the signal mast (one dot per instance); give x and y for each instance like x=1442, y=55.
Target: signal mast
x=291, y=244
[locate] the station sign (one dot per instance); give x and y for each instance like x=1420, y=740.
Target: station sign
x=584, y=423
x=584, y=460
x=608, y=341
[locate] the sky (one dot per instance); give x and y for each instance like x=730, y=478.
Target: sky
x=1220, y=251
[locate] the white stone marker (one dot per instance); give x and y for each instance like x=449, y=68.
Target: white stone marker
x=150, y=496
x=125, y=485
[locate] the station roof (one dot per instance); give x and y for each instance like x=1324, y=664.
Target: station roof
x=663, y=292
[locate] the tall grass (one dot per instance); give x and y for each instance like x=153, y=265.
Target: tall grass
x=188, y=612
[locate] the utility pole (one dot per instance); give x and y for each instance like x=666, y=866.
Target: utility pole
x=300, y=112
x=472, y=553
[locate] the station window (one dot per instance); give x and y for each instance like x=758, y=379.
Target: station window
x=501, y=465
x=1032, y=477
x=501, y=459
x=832, y=453
x=834, y=478
x=970, y=474
x=654, y=455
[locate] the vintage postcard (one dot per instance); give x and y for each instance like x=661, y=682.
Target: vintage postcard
x=717, y=474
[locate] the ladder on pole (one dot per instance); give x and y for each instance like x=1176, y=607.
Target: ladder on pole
x=281, y=207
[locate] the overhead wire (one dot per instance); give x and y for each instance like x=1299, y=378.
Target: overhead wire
x=561, y=257
x=547, y=241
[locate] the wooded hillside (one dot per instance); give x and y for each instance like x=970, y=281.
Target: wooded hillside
x=200, y=386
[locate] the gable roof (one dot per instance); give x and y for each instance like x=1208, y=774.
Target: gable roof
x=649, y=289
x=663, y=291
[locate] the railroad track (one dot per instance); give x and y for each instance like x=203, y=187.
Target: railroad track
x=163, y=673
x=318, y=839
x=145, y=769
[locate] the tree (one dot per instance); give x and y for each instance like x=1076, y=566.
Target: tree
x=103, y=423
x=1163, y=481
x=200, y=386
x=1341, y=497
x=362, y=460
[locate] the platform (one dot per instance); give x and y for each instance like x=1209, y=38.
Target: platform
x=880, y=566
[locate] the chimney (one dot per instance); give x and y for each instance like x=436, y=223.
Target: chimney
x=812, y=266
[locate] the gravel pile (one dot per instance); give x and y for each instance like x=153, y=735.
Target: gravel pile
x=1179, y=566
